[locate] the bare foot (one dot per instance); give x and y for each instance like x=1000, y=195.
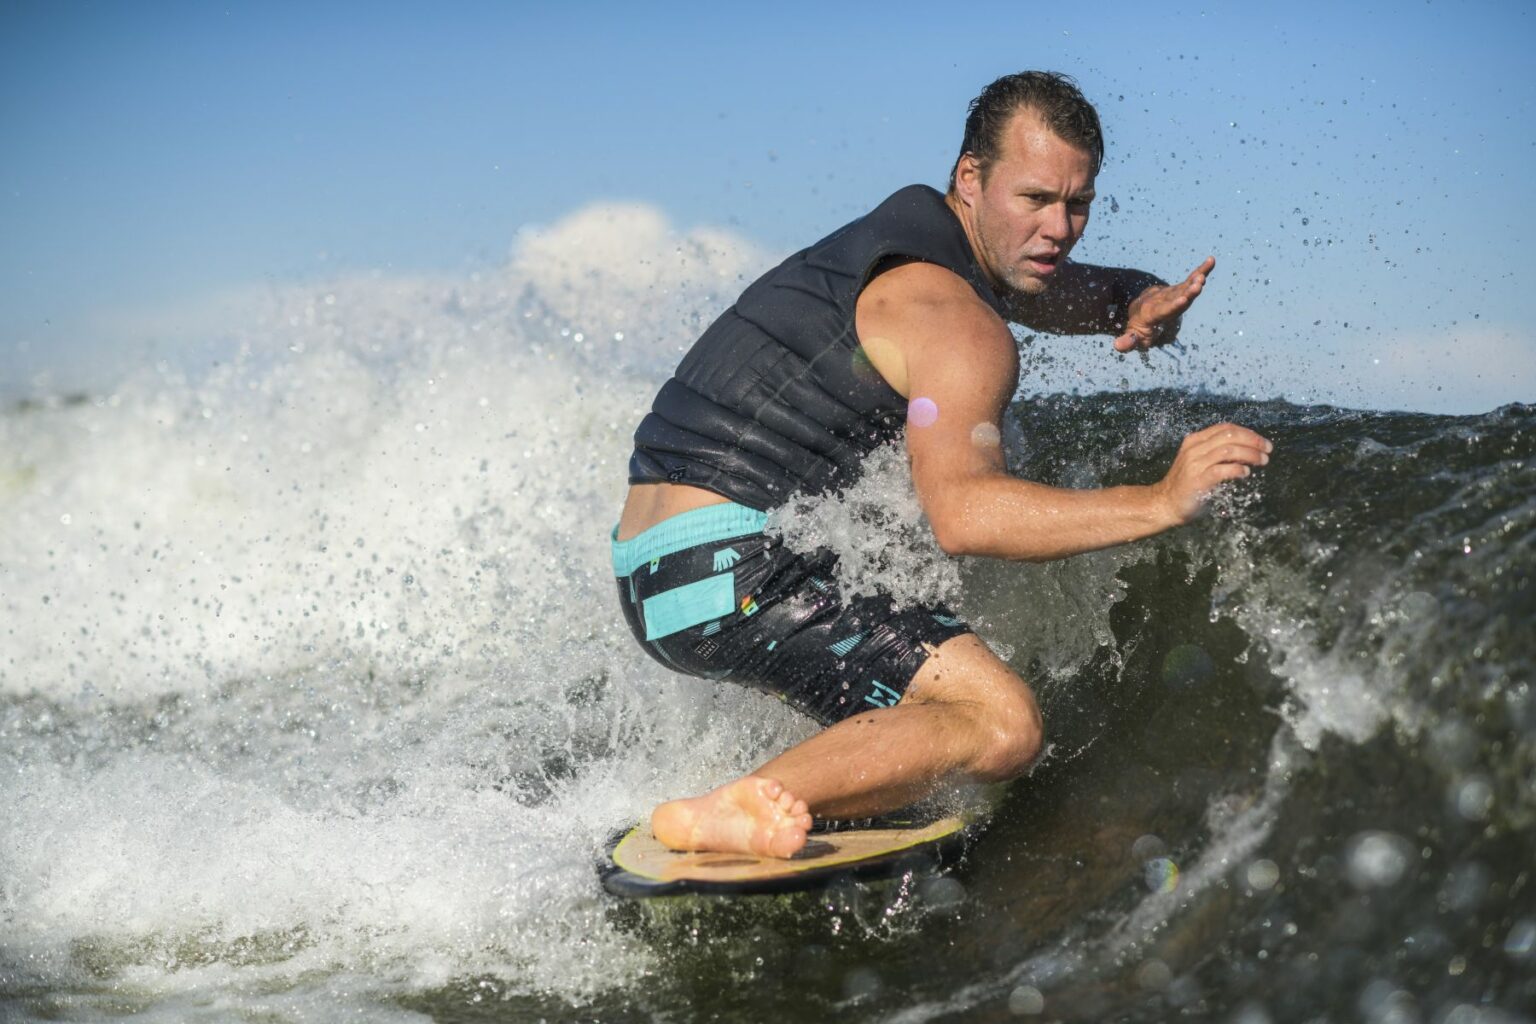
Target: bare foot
x=750, y=815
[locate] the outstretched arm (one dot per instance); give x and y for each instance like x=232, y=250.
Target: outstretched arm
x=958, y=354
x=1139, y=310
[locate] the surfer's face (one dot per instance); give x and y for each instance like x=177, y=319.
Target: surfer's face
x=1029, y=208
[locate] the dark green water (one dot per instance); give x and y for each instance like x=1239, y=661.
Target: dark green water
x=1381, y=872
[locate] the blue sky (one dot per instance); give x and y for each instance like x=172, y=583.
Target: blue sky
x=1367, y=166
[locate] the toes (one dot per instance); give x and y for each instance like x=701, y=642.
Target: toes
x=786, y=802
x=800, y=808
x=770, y=788
x=787, y=843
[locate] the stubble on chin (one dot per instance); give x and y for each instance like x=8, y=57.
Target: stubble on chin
x=1022, y=288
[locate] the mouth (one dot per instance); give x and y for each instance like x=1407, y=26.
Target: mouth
x=1043, y=263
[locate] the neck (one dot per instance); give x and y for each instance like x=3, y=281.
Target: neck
x=964, y=215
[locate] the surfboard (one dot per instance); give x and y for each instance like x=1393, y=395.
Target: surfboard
x=638, y=865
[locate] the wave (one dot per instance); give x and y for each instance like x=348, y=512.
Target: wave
x=313, y=691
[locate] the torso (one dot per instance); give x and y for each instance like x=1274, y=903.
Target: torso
x=649, y=504
x=879, y=313
x=669, y=480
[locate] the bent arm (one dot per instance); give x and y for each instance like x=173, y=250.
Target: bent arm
x=1086, y=299
x=974, y=506
x=959, y=355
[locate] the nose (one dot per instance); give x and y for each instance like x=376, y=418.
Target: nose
x=1056, y=224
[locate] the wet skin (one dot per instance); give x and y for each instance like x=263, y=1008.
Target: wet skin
x=966, y=715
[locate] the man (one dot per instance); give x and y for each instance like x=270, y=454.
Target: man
x=893, y=325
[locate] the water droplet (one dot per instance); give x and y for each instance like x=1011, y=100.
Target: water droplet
x=860, y=983
x=1520, y=943
x=1378, y=860
x=1474, y=798
x=1148, y=847
x=943, y=891
x=922, y=412
x=1026, y=1000
x=1262, y=875
x=1154, y=975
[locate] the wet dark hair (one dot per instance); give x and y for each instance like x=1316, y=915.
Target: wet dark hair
x=1050, y=95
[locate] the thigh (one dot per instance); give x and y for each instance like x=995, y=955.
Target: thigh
x=835, y=657
x=964, y=670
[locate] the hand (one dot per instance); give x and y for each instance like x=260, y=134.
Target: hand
x=1153, y=316
x=1206, y=459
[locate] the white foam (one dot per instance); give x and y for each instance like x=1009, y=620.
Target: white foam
x=313, y=663
x=877, y=529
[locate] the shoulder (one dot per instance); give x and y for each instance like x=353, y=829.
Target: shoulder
x=916, y=318
x=918, y=295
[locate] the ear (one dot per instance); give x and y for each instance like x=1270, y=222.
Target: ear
x=968, y=179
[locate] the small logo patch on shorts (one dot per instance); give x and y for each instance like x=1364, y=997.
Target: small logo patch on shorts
x=881, y=696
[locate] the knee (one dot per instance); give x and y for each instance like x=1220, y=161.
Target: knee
x=1013, y=735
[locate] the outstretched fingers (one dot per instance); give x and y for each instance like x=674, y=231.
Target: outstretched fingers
x=1196, y=280
x=1155, y=312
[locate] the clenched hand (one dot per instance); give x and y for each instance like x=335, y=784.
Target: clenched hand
x=1206, y=459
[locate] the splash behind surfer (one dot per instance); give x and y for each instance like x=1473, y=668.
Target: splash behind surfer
x=893, y=327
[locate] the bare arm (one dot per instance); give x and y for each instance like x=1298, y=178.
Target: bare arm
x=958, y=354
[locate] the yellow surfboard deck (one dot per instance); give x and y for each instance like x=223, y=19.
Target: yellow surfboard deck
x=643, y=867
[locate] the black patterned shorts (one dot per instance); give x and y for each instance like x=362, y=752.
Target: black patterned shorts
x=707, y=593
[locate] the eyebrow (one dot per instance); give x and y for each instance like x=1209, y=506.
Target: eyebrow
x=1087, y=195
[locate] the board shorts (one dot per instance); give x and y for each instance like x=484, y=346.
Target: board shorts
x=709, y=594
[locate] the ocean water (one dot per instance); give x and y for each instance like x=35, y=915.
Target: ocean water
x=315, y=702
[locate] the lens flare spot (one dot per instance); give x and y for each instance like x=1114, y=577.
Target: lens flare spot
x=871, y=355
x=986, y=435
x=1162, y=874
x=1187, y=665
x=922, y=412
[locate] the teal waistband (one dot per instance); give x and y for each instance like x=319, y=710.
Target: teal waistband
x=684, y=530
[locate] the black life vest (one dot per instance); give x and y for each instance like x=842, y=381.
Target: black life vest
x=777, y=397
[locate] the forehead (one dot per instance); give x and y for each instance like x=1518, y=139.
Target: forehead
x=1029, y=146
